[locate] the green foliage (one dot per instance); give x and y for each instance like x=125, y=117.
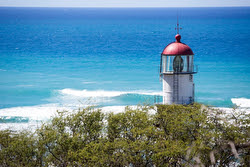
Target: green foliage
x=18, y=149
x=72, y=138
x=131, y=137
x=176, y=135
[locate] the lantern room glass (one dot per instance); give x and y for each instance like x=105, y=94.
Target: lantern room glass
x=178, y=63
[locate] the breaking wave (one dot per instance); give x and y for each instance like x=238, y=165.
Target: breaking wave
x=241, y=102
x=38, y=112
x=103, y=93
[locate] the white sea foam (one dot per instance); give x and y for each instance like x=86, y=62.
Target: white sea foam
x=34, y=115
x=241, y=102
x=45, y=112
x=86, y=93
x=40, y=112
x=102, y=93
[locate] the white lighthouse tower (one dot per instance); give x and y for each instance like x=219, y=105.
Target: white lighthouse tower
x=177, y=71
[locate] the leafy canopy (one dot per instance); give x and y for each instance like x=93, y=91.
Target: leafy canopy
x=175, y=135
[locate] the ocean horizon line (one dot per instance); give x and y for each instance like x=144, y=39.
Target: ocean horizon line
x=124, y=7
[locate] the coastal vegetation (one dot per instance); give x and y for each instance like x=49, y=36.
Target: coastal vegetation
x=172, y=135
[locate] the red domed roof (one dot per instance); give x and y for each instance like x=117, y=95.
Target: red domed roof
x=177, y=48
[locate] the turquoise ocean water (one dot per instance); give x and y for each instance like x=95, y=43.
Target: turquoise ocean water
x=65, y=57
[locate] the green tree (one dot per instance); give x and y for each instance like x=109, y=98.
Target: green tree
x=18, y=149
x=72, y=139
x=198, y=135
x=131, y=137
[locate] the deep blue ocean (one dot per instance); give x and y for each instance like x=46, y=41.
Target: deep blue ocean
x=110, y=56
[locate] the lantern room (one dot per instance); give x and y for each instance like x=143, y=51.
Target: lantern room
x=177, y=57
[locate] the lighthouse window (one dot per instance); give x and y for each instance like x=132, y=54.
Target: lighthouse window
x=164, y=59
x=167, y=64
x=178, y=64
x=184, y=58
x=191, y=63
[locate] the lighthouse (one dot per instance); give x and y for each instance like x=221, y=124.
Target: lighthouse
x=176, y=71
